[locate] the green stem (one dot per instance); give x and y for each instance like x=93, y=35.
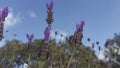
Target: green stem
x=71, y=58
x=60, y=63
x=41, y=64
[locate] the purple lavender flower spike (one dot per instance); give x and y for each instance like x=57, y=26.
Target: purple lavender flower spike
x=30, y=37
x=47, y=33
x=49, y=5
x=5, y=13
x=79, y=26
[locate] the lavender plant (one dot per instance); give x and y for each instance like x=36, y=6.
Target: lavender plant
x=30, y=38
x=76, y=39
x=3, y=15
x=49, y=7
x=44, y=48
x=70, y=54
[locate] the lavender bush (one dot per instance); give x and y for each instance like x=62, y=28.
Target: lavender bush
x=47, y=53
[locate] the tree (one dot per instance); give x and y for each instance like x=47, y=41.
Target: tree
x=112, y=50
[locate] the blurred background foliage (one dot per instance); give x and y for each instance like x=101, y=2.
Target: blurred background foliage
x=60, y=54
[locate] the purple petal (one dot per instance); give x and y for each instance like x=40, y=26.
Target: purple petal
x=47, y=32
x=5, y=12
x=32, y=36
x=50, y=5
x=82, y=24
x=27, y=36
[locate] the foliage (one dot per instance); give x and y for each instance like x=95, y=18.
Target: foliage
x=112, y=49
x=59, y=55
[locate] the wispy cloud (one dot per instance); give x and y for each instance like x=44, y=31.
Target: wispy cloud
x=58, y=37
x=12, y=19
x=32, y=14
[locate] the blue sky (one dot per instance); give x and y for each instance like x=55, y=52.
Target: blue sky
x=28, y=16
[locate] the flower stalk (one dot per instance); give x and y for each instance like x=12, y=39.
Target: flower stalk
x=3, y=15
x=77, y=40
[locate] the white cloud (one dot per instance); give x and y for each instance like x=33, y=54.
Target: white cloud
x=58, y=37
x=32, y=14
x=12, y=20
x=2, y=42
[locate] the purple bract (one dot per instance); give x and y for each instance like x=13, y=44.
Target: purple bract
x=4, y=13
x=80, y=25
x=47, y=33
x=30, y=37
x=50, y=5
